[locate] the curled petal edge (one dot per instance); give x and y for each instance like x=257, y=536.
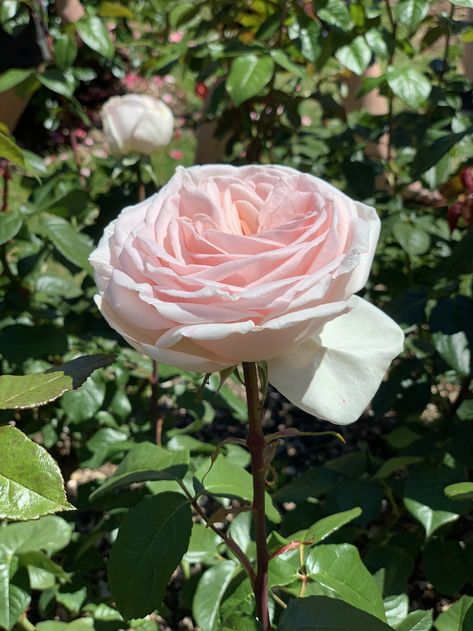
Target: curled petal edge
x=335, y=374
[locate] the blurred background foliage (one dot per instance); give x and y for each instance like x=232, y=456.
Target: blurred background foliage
x=375, y=97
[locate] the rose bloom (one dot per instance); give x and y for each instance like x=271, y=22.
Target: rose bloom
x=243, y=264
x=136, y=123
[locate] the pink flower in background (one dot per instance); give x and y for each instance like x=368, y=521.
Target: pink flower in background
x=131, y=80
x=176, y=154
x=175, y=37
x=168, y=98
x=229, y=264
x=306, y=121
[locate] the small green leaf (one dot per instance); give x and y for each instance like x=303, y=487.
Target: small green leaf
x=412, y=239
x=458, y=617
x=445, y=566
x=209, y=594
x=424, y=496
x=94, y=34
x=333, y=12
x=338, y=571
x=29, y=391
x=411, y=12
x=31, y=484
x=10, y=224
x=248, y=75
x=229, y=480
x=428, y=155
x=13, y=77
x=355, y=56
x=10, y=150
x=420, y=620
x=455, y=351
x=145, y=462
x=320, y=613
x=81, y=405
x=65, y=50
x=151, y=542
x=73, y=245
x=203, y=545
x=114, y=10
x=410, y=85
x=460, y=491
x=327, y=525
x=55, y=79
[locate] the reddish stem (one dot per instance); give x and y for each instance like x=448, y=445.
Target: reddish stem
x=5, y=171
x=256, y=447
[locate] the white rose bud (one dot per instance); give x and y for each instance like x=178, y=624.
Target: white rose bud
x=136, y=123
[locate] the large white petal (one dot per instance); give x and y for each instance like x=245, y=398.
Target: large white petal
x=336, y=373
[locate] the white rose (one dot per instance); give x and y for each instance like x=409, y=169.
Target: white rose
x=136, y=123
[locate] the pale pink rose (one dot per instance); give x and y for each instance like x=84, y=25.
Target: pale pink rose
x=136, y=123
x=229, y=264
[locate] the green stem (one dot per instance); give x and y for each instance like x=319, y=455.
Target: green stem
x=447, y=44
x=256, y=447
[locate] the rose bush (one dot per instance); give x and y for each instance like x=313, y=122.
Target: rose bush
x=136, y=123
x=229, y=264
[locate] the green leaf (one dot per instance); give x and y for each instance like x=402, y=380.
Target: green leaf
x=463, y=3
x=248, y=75
x=29, y=391
x=327, y=525
x=411, y=12
x=458, y=617
x=333, y=12
x=413, y=240
x=31, y=484
x=55, y=79
x=229, y=480
x=94, y=34
x=114, y=10
x=393, y=464
x=73, y=245
x=410, y=85
x=416, y=621
x=460, y=491
x=50, y=534
x=339, y=572
x=428, y=155
x=355, y=56
x=319, y=613
x=10, y=150
x=10, y=224
x=13, y=77
x=445, y=566
x=454, y=350
x=82, y=404
x=145, y=462
x=13, y=599
x=203, y=545
x=424, y=496
x=209, y=594
x=65, y=50
x=151, y=542
x=283, y=60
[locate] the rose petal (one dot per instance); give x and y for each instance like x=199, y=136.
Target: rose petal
x=335, y=374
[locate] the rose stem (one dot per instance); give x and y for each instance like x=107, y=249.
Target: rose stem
x=256, y=445
x=139, y=182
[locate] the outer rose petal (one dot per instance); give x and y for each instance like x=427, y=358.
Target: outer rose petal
x=336, y=373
